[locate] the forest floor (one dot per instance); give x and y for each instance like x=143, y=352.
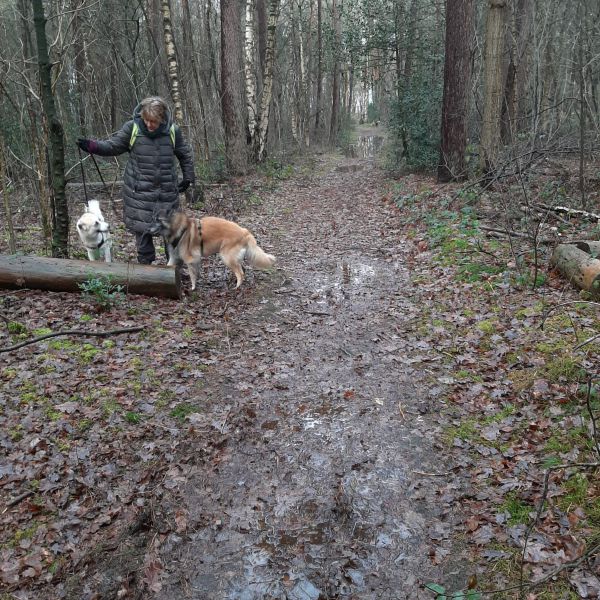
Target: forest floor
x=374, y=418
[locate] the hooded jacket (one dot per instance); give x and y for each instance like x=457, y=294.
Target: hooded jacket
x=150, y=178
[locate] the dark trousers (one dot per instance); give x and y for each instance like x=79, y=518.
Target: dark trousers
x=146, y=253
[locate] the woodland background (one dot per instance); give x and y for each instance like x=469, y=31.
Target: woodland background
x=470, y=88
x=489, y=112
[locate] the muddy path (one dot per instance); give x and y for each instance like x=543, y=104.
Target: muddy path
x=327, y=479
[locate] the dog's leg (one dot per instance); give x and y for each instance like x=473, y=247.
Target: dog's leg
x=230, y=259
x=172, y=258
x=107, y=253
x=91, y=254
x=194, y=271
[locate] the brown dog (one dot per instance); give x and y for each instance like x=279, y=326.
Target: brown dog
x=189, y=239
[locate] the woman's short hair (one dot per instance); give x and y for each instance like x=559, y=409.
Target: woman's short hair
x=154, y=108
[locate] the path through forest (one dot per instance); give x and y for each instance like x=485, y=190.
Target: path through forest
x=331, y=483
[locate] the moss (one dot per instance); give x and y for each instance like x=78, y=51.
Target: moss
x=518, y=510
x=523, y=379
x=488, y=326
x=564, y=368
x=181, y=411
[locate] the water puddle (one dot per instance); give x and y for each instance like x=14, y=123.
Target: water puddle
x=366, y=146
x=369, y=145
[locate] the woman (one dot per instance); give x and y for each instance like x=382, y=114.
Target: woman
x=150, y=179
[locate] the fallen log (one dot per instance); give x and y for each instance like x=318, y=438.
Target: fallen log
x=591, y=248
x=578, y=267
x=63, y=275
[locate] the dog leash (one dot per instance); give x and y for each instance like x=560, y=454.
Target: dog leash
x=112, y=201
x=83, y=178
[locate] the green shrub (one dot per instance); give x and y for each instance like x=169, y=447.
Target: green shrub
x=102, y=292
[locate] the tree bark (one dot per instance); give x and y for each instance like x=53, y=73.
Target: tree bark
x=189, y=44
x=60, y=209
x=492, y=93
x=172, y=61
x=335, y=87
x=8, y=215
x=60, y=275
x=578, y=267
x=267, y=92
x=232, y=103
x=319, y=92
x=457, y=83
x=250, y=71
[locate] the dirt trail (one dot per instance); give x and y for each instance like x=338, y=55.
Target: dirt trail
x=328, y=483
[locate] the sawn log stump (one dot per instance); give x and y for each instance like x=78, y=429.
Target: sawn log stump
x=577, y=263
x=64, y=275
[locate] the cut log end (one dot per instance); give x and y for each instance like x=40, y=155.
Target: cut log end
x=576, y=263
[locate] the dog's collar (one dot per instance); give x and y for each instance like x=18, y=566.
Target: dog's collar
x=102, y=242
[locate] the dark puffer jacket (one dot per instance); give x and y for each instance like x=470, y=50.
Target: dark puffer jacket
x=150, y=178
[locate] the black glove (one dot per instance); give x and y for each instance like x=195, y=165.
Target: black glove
x=87, y=145
x=184, y=184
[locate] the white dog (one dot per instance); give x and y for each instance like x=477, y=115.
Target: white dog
x=94, y=233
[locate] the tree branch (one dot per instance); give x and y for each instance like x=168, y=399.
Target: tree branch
x=71, y=332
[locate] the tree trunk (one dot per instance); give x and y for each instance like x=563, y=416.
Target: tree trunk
x=457, y=85
x=335, y=88
x=60, y=209
x=589, y=247
x=172, y=61
x=232, y=103
x=8, y=215
x=267, y=92
x=250, y=72
x=319, y=92
x=189, y=44
x=492, y=92
x=60, y=275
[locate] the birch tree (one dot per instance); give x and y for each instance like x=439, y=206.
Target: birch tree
x=172, y=61
x=265, y=103
x=250, y=66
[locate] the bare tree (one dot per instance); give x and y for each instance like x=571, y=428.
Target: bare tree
x=335, y=87
x=265, y=104
x=232, y=101
x=172, y=60
x=60, y=209
x=250, y=71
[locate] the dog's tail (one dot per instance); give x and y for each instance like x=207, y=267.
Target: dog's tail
x=93, y=206
x=256, y=256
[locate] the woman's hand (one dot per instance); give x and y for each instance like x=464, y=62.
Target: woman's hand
x=87, y=145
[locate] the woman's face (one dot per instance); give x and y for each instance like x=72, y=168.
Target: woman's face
x=151, y=123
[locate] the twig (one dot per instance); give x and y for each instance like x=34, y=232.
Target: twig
x=505, y=232
x=538, y=513
x=71, y=332
x=588, y=403
x=17, y=499
x=586, y=342
x=318, y=313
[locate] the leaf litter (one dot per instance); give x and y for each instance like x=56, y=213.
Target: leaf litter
x=356, y=423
